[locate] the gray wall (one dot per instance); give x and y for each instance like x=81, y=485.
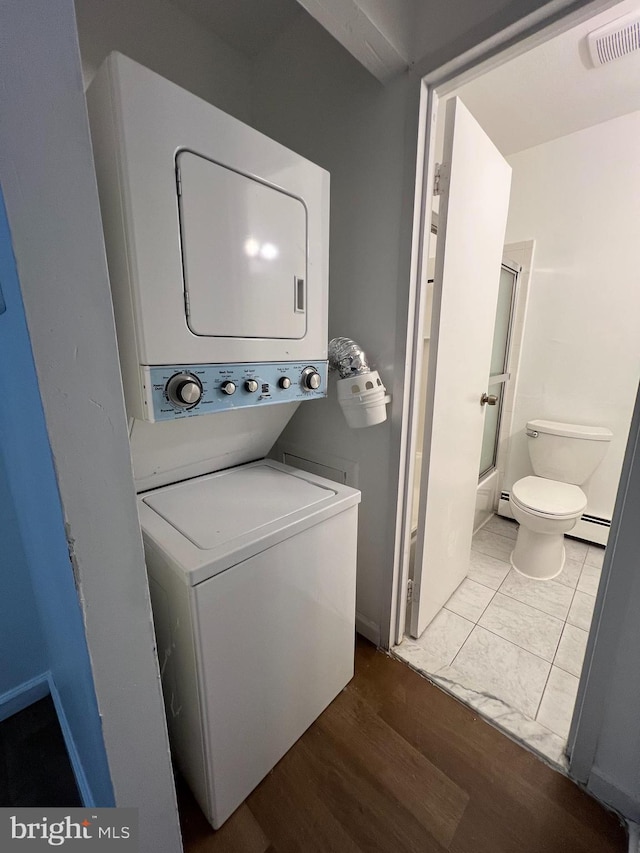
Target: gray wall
x=475, y=23
x=335, y=113
x=162, y=37
x=47, y=175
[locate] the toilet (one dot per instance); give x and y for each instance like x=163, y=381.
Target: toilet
x=549, y=504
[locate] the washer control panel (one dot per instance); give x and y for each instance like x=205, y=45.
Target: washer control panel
x=181, y=391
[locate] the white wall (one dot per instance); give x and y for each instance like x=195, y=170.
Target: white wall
x=335, y=113
x=163, y=38
x=48, y=179
x=579, y=198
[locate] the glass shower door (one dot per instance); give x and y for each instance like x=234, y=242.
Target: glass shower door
x=498, y=375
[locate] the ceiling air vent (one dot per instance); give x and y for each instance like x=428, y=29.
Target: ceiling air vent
x=615, y=39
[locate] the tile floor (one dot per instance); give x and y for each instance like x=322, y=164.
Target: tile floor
x=511, y=647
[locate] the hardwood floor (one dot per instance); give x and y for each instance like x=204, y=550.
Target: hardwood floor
x=394, y=764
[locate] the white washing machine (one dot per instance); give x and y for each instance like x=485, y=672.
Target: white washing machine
x=217, y=243
x=253, y=593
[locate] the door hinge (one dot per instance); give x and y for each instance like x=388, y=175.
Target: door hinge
x=441, y=179
x=186, y=303
x=409, y=591
x=179, y=180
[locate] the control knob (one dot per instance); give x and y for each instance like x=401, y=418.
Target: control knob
x=251, y=385
x=284, y=382
x=311, y=379
x=184, y=390
x=228, y=387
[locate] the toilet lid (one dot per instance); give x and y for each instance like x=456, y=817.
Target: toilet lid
x=549, y=497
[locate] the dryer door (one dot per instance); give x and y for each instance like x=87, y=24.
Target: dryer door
x=244, y=253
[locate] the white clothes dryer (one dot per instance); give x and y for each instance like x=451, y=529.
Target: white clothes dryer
x=252, y=578
x=218, y=247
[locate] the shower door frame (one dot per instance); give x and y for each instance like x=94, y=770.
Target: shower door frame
x=490, y=479
x=501, y=379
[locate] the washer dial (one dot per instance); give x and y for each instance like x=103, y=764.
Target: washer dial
x=310, y=379
x=184, y=390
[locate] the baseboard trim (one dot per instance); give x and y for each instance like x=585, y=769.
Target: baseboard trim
x=84, y=788
x=23, y=695
x=370, y=630
x=603, y=789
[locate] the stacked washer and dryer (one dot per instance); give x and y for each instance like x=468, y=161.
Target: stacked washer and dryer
x=217, y=243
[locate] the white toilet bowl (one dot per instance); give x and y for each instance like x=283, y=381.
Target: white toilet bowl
x=546, y=510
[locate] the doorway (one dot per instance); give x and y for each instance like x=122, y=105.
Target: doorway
x=538, y=721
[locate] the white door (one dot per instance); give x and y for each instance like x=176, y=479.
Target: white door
x=474, y=202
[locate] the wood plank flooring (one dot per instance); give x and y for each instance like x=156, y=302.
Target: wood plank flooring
x=394, y=765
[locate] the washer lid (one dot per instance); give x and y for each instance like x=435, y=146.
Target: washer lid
x=236, y=503
x=549, y=496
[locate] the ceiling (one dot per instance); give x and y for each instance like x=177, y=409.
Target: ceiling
x=548, y=92
x=246, y=25
x=386, y=36
x=553, y=90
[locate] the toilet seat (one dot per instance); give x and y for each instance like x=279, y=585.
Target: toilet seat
x=548, y=498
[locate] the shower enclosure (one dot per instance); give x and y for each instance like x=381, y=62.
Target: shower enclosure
x=500, y=373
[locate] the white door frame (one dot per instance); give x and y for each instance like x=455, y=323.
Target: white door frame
x=551, y=20
x=618, y=569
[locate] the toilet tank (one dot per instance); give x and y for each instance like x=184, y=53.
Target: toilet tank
x=569, y=453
